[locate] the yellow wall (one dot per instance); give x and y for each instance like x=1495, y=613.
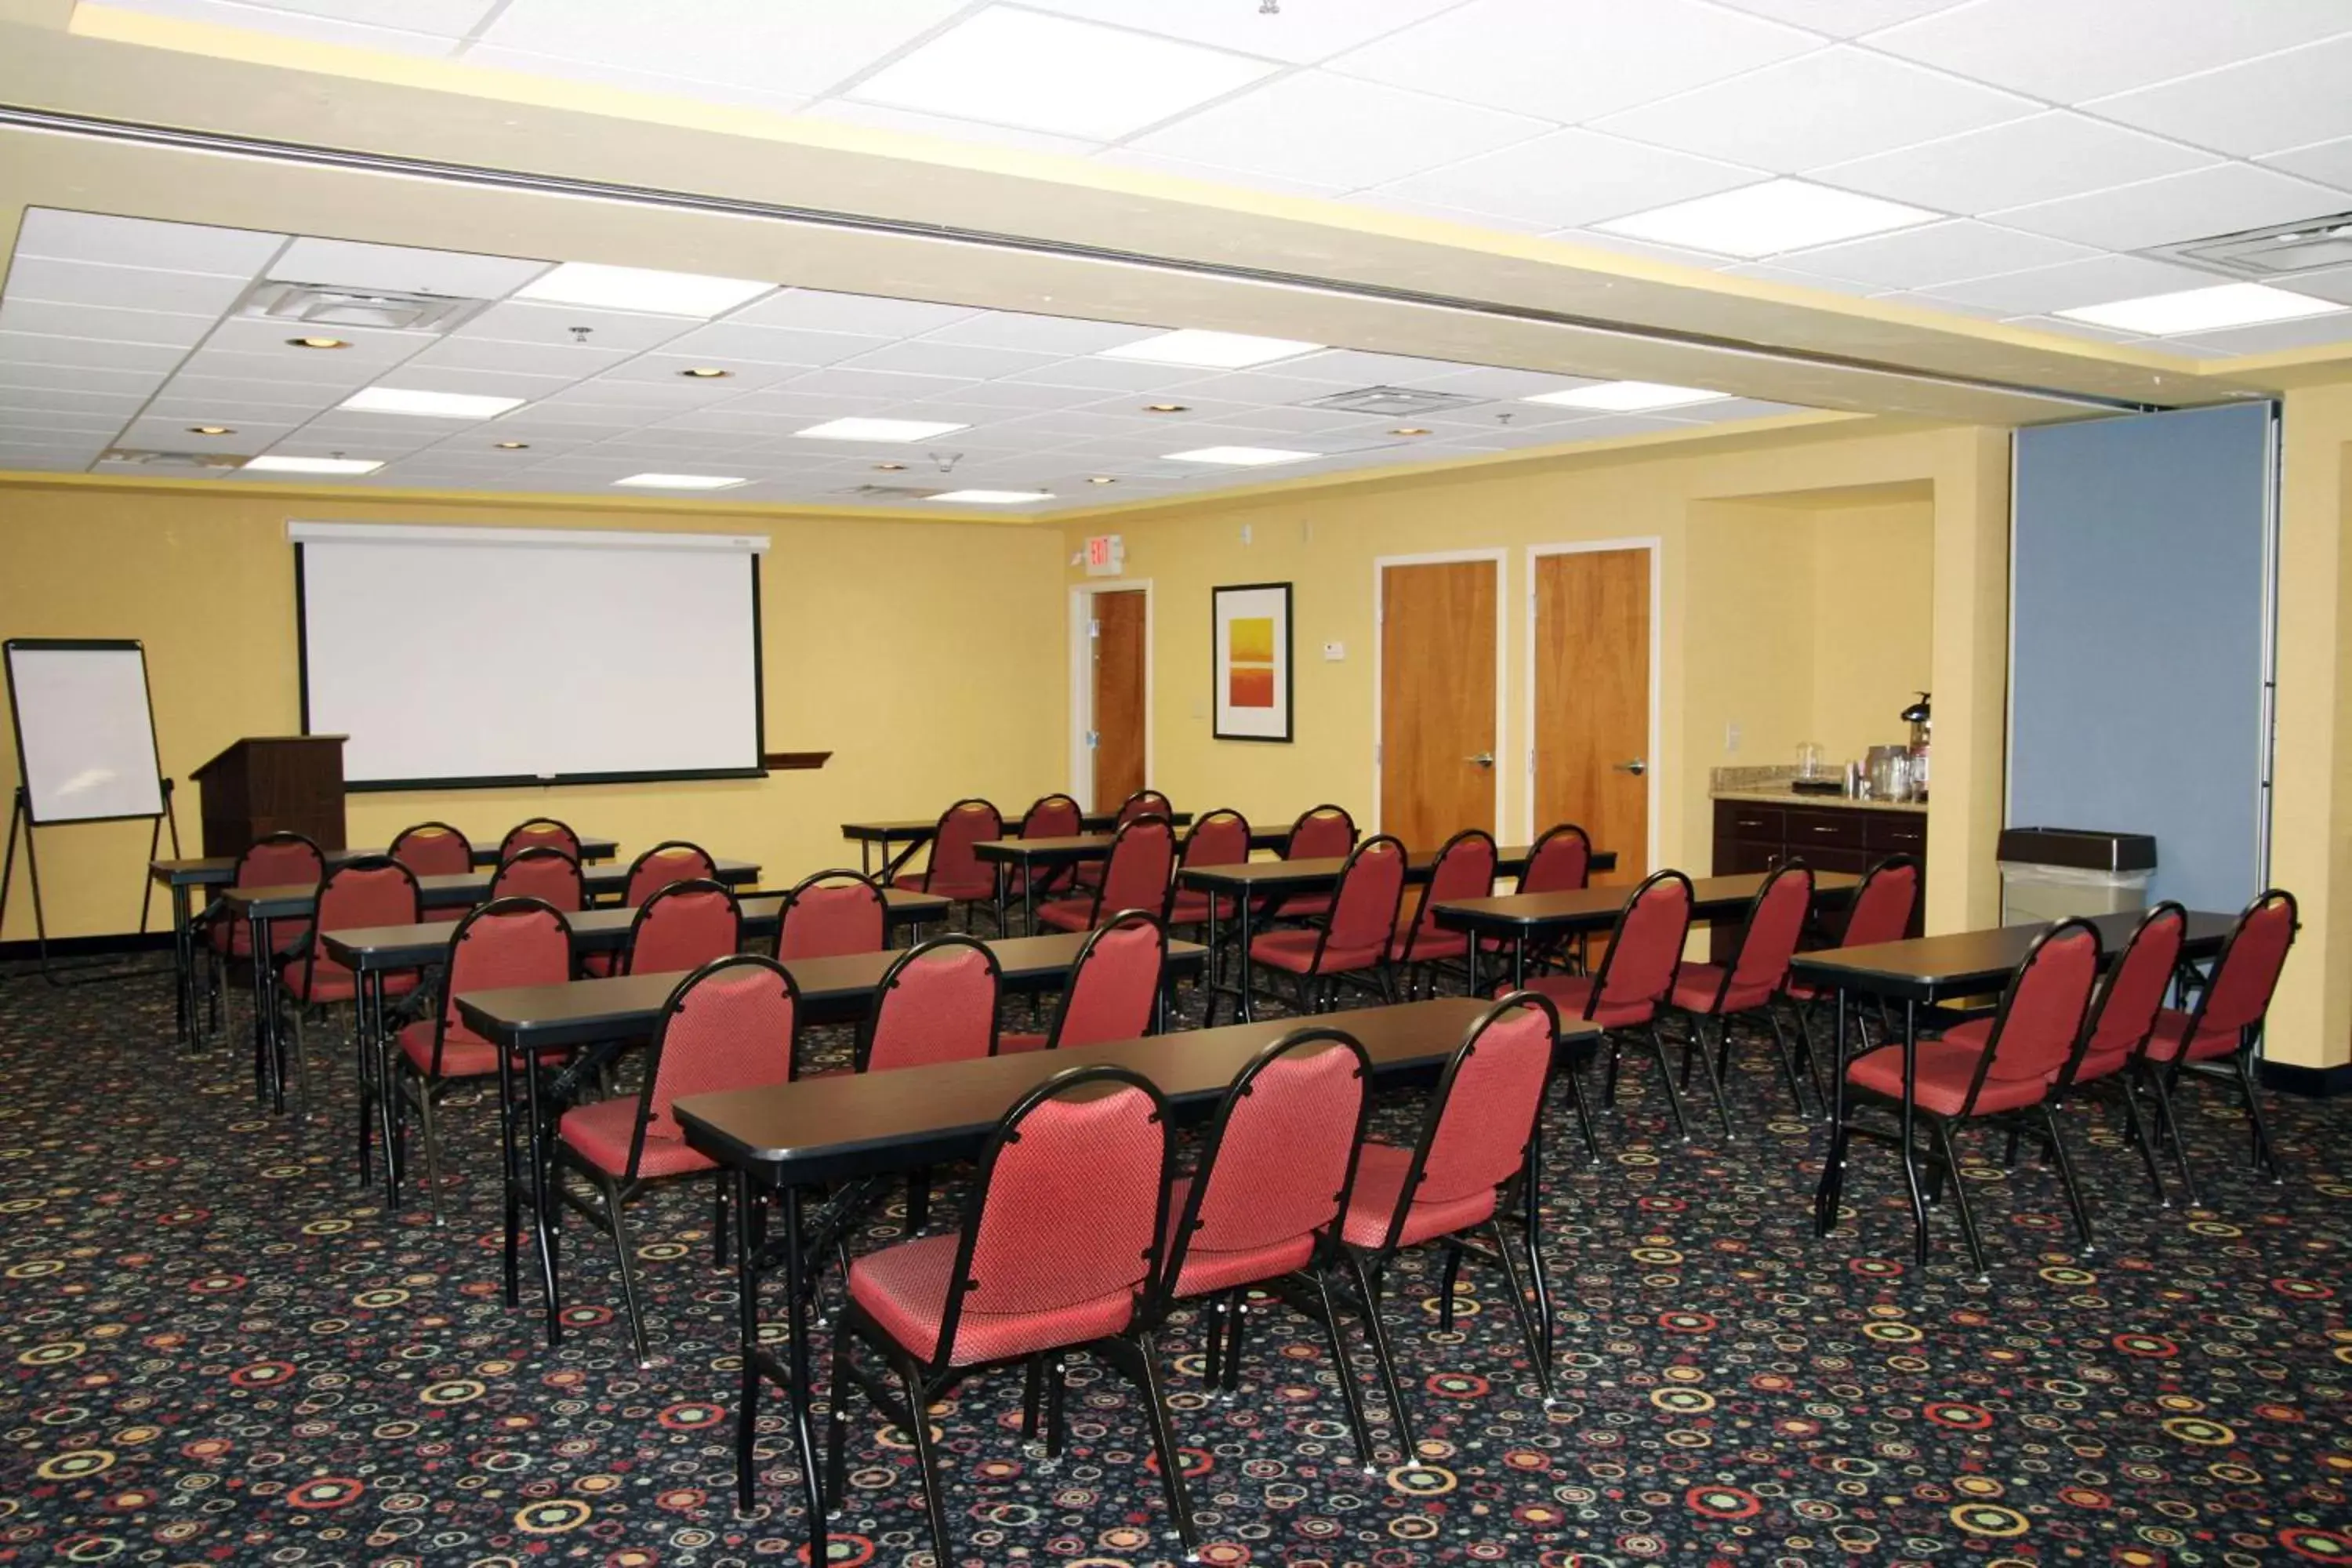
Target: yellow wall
x=899, y=647
x=1874, y=622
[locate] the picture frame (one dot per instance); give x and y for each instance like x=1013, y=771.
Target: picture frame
x=1251, y=664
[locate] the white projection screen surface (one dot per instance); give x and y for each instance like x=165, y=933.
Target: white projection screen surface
x=456, y=656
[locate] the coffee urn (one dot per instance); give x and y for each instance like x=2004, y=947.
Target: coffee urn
x=1918, y=718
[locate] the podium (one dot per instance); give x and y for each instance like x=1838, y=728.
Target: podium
x=274, y=783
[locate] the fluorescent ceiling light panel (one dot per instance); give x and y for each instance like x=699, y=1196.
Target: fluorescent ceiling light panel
x=682, y=482
x=428, y=405
x=2203, y=310
x=1768, y=219
x=878, y=430
x=314, y=464
x=1626, y=397
x=605, y=288
x=994, y=498
x=1050, y=73
x=1239, y=457
x=1210, y=350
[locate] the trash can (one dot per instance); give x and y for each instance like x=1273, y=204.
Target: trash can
x=2050, y=873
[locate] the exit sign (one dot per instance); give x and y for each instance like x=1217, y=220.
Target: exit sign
x=1106, y=555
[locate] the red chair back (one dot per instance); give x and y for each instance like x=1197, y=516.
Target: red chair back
x=674, y=861
x=539, y=832
x=1364, y=904
x=1277, y=1164
x=433, y=849
x=1114, y=989
x=1073, y=1198
x=831, y=914
x=683, y=926
x=505, y=942
x=1883, y=904
x=1144, y=803
x=2123, y=1013
x=2247, y=972
x=1645, y=948
x=1141, y=860
x=1776, y=920
x=1220, y=838
x=280, y=860
x=1559, y=862
x=1322, y=833
x=2041, y=1014
x=374, y=890
x=544, y=873
x=1053, y=817
x=1482, y=1116
x=1465, y=868
x=937, y=1004
x=955, y=870
x=728, y=1024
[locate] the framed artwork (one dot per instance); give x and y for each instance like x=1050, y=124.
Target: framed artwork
x=1250, y=632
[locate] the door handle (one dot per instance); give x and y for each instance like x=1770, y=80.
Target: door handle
x=1637, y=767
x=1483, y=759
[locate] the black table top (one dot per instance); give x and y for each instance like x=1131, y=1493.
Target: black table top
x=1047, y=851
x=826, y=1129
x=1596, y=909
x=1271, y=876
x=915, y=830
x=293, y=900
x=1970, y=963
x=538, y=1017
x=218, y=870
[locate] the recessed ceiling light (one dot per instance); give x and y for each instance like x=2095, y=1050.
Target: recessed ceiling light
x=703, y=373
x=514, y=446
x=2203, y=310
x=1168, y=408
x=1210, y=350
x=316, y=344
x=1626, y=397
x=428, y=405
x=1050, y=73
x=314, y=464
x=1239, y=457
x=994, y=498
x=641, y=289
x=879, y=430
x=210, y=430
x=682, y=482
x=1408, y=430
x=1766, y=218
x=1101, y=479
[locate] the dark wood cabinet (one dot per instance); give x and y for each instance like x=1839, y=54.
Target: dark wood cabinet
x=1752, y=836
x=274, y=783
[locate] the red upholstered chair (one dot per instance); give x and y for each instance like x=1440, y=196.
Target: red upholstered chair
x=539, y=832
x=682, y=927
x=374, y=890
x=1265, y=1201
x=1750, y=986
x=1996, y=1069
x=1144, y=803
x=728, y=1024
x=2123, y=1016
x=505, y=942
x=955, y=872
x=1880, y=912
x=1220, y=837
x=280, y=860
x=1559, y=862
x=1049, y=816
x=1058, y=1250
x=2217, y=1038
x=544, y=873
x=1322, y=833
x=1353, y=943
x=433, y=849
x=1114, y=990
x=1134, y=876
x=1637, y=977
x=1477, y=1142
x=832, y=914
x=1465, y=868
x=936, y=1003
x=664, y=865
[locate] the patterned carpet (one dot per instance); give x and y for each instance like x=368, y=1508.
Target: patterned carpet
x=221, y=1350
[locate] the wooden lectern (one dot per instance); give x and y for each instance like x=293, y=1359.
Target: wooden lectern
x=274, y=783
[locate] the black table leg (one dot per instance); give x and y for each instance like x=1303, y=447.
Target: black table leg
x=270, y=1066
x=184, y=965
x=1825, y=1196
x=542, y=1217
x=800, y=1393
x=747, y=1335
x=1520, y=961
x=1211, y=983
x=1028, y=900
x=1910, y=1099
x=1249, y=974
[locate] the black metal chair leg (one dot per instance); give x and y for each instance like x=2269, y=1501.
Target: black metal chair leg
x=1714, y=1078
x=1943, y=1131
x=1666, y=1077
x=2066, y=1175
x=1349, y=1393
x=1445, y=1286
x=1520, y=1308
x=2143, y=1140
x=1583, y=1112
x=1368, y=1293
x=2169, y=1124
x=2266, y=1160
x=1141, y=1362
x=919, y=1415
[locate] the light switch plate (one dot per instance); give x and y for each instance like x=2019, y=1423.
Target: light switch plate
x=1335, y=651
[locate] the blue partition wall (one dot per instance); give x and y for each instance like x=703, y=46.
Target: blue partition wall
x=2139, y=628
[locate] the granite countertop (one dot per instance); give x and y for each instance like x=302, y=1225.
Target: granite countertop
x=1782, y=795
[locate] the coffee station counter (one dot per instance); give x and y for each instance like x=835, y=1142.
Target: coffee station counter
x=1784, y=793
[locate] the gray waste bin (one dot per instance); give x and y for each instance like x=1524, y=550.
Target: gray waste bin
x=2049, y=873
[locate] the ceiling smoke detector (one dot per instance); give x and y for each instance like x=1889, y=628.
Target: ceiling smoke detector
x=327, y=305
x=2280, y=250
x=1391, y=401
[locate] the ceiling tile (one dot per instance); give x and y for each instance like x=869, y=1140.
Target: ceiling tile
x=144, y=242
x=1495, y=381
x=215, y=395
x=1353, y=367
x=1626, y=244
x=315, y=370
x=121, y=405
x=754, y=44
x=669, y=370
x=929, y=356
x=2287, y=99
x=2335, y=284
x=2069, y=50
x=2218, y=200
x=600, y=73
x=1301, y=33
x=2329, y=163
x=74, y=377
x=525, y=321
x=250, y=335
x=1020, y=393
x=101, y=323
x=173, y=435
x=732, y=339
x=2073, y=284
x=1572, y=60
x=2039, y=158
x=896, y=386
x=1827, y=107
x=2275, y=338
x=351, y=265
x=854, y=315
x=122, y=288
x=1114, y=374
x=450, y=18
x=805, y=408
x=28, y=424
x=1801, y=278
x=1037, y=334
x=293, y=23
x=882, y=117
x=1336, y=131
x=1840, y=19
x=1385, y=200
x=1570, y=177
x=1938, y=253
x=41, y=349
x=569, y=362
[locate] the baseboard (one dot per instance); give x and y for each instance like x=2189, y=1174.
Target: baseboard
x=89, y=946
x=2318, y=1083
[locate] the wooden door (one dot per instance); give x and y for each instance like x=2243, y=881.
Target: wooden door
x=1118, y=707
x=1437, y=699
x=1593, y=700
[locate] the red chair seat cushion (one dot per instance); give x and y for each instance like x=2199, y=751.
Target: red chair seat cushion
x=1067, y=914
x=464, y=1054
x=1946, y=1068
x=903, y=1288
x=600, y=963
x=965, y=889
x=1797, y=991
x=333, y=983
x=1188, y=908
x=1208, y=1269
x=600, y=1134
x=1572, y=993
x=1009, y=1043
x=1295, y=951
x=2172, y=1024
x=234, y=938
x=2096, y=1065
x=1304, y=907
x=1379, y=1177
x=1429, y=946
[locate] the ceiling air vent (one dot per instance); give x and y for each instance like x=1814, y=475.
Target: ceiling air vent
x=2280, y=251
x=326, y=305
x=140, y=458
x=1392, y=401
